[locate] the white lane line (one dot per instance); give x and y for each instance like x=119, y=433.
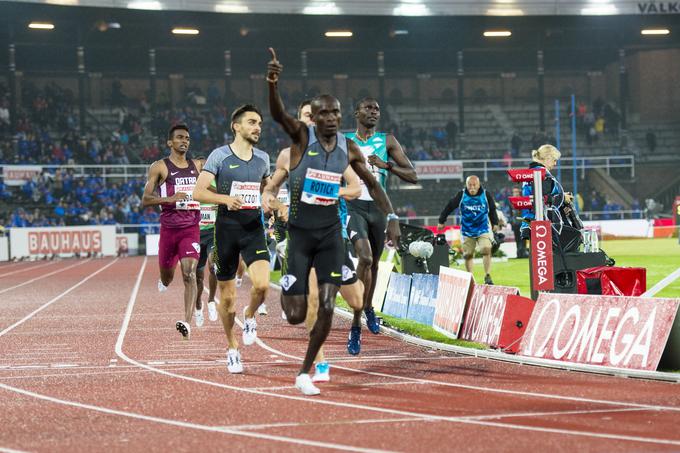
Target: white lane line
x=30, y=268
x=552, y=413
x=56, y=298
x=480, y=388
x=9, y=450
x=128, y=316
x=662, y=284
x=260, y=436
x=181, y=424
x=340, y=386
x=45, y=276
x=329, y=424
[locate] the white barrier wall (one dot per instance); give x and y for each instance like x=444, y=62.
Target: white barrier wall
x=128, y=242
x=62, y=241
x=625, y=228
x=4, y=248
x=152, y=244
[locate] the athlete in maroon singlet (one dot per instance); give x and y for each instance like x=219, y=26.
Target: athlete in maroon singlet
x=169, y=184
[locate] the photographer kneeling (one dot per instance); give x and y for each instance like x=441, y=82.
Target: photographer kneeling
x=477, y=208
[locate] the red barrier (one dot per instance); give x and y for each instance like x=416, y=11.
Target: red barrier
x=525, y=174
x=612, y=281
x=484, y=315
x=516, y=317
x=623, y=332
x=541, y=256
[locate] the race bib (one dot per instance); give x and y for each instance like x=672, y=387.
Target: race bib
x=186, y=205
x=208, y=215
x=284, y=197
x=321, y=188
x=189, y=203
x=249, y=192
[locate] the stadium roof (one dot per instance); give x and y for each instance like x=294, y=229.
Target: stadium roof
x=392, y=8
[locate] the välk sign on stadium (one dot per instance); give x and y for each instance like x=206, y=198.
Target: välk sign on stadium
x=623, y=332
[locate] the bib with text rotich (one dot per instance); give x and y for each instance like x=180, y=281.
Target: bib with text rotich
x=248, y=192
x=321, y=188
x=189, y=203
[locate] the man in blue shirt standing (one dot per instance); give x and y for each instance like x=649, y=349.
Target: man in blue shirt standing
x=478, y=222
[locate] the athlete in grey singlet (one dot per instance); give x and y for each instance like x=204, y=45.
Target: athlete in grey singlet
x=319, y=156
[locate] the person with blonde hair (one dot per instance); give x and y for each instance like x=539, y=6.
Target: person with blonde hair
x=546, y=157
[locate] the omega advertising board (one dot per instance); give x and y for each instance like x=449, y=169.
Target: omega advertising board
x=615, y=331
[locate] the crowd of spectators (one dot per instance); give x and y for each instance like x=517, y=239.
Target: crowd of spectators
x=61, y=198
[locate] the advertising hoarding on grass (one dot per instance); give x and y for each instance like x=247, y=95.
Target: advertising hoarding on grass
x=423, y=297
x=453, y=295
x=484, y=317
x=616, y=331
x=396, y=299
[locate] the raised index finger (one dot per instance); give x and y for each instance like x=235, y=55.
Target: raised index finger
x=273, y=52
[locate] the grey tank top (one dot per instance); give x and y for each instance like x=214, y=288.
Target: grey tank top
x=315, y=182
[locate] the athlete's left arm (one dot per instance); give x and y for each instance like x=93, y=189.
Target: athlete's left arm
x=356, y=160
x=402, y=166
x=353, y=188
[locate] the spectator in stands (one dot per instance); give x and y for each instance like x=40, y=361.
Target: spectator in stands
x=479, y=221
x=650, y=138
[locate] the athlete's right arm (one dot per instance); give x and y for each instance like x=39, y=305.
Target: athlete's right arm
x=449, y=208
x=153, y=179
x=295, y=128
x=203, y=194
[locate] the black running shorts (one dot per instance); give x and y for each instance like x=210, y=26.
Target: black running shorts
x=231, y=242
x=323, y=247
x=207, y=241
x=366, y=221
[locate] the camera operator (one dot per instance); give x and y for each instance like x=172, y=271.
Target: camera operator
x=559, y=204
x=477, y=208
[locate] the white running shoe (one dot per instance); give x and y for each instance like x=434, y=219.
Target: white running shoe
x=198, y=316
x=161, y=287
x=262, y=310
x=283, y=315
x=184, y=328
x=322, y=373
x=239, y=282
x=212, y=310
x=304, y=383
x=234, y=364
x=249, y=329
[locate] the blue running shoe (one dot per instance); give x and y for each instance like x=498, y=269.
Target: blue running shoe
x=371, y=321
x=354, y=341
x=322, y=373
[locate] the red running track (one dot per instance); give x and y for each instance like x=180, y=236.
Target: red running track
x=90, y=361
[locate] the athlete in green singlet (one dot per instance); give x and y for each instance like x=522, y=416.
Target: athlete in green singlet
x=366, y=221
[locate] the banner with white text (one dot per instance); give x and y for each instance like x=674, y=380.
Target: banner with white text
x=439, y=169
x=453, y=295
x=62, y=241
x=616, y=331
x=484, y=317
